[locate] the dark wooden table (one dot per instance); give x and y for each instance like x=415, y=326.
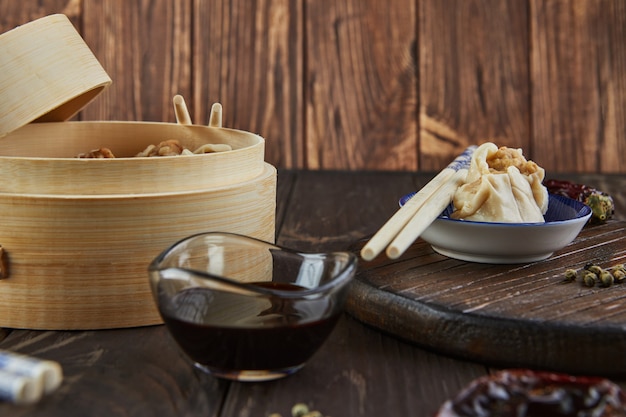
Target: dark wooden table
x=360, y=371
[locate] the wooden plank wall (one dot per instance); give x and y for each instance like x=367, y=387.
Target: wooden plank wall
x=369, y=84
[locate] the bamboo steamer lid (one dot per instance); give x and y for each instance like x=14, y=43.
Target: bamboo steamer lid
x=47, y=73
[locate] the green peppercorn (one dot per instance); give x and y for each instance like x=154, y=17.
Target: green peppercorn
x=619, y=275
x=570, y=275
x=299, y=410
x=606, y=278
x=619, y=267
x=313, y=413
x=275, y=415
x=590, y=279
x=596, y=269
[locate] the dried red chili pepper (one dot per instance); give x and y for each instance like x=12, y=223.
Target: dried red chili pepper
x=601, y=203
x=528, y=393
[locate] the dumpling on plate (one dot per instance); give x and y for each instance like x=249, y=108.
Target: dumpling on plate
x=501, y=186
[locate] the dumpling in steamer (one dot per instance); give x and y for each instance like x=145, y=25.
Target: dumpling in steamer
x=501, y=186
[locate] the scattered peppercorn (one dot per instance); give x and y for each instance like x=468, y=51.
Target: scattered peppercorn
x=606, y=278
x=618, y=267
x=299, y=410
x=619, y=276
x=570, y=275
x=592, y=274
x=590, y=279
x=596, y=269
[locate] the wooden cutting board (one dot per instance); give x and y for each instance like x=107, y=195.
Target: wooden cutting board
x=521, y=315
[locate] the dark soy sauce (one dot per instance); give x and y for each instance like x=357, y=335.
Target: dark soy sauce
x=227, y=331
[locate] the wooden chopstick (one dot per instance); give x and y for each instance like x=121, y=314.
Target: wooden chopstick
x=180, y=109
x=215, y=119
x=424, y=217
x=394, y=225
x=429, y=193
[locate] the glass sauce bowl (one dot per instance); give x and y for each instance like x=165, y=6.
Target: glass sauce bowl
x=248, y=310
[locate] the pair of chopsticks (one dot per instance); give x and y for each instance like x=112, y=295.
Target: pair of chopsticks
x=183, y=117
x=408, y=223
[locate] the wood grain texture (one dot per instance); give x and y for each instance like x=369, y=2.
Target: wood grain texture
x=248, y=56
x=354, y=85
x=578, y=68
x=360, y=85
x=145, y=46
x=16, y=12
x=343, y=378
x=503, y=315
x=110, y=373
x=474, y=83
x=346, y=222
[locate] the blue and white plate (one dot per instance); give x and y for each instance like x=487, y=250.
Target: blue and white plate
x=506, y=243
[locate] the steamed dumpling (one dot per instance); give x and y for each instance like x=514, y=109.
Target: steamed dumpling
x=501, y=186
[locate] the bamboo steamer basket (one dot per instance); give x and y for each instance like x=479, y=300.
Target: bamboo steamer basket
x=78, y=260
x=77, y=235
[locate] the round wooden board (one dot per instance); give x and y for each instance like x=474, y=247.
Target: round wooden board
x=521, y=315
